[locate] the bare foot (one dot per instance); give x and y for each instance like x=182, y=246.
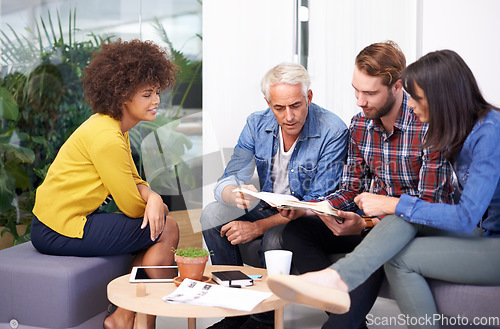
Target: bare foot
x=323, y=289
x=120, y=319
x=327, y=277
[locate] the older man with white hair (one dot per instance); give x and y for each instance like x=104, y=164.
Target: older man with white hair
x=298, y=148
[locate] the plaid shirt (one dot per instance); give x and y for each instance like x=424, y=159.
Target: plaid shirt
x=392, y=164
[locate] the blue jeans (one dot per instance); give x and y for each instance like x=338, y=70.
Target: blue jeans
x=215, y=215
x=432, y=254
x=459, y=259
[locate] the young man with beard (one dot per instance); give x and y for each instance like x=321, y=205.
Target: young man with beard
x=384, y=157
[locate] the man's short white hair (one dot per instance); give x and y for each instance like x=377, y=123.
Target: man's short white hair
x=290, y=73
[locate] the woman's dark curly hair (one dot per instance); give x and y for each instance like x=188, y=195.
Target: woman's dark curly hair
x=117, y=71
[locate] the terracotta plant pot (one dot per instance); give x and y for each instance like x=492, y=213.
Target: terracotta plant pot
x=191, y=267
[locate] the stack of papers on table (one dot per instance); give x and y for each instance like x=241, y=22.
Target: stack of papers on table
x=205, y=294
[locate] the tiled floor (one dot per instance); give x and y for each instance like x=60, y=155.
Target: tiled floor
x=300, y=317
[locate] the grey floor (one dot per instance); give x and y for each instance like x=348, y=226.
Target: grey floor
x=301, y=317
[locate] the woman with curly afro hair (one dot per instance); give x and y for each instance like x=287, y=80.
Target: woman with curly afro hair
x=122, y=84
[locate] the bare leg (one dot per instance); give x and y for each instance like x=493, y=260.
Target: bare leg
x=161, y=252
x=158, y=254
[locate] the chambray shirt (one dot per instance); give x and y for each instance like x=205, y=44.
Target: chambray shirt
x=315, y=167
x=392, y=164
x=478, y=172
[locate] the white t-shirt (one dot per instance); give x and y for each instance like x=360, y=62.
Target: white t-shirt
x=279, y=169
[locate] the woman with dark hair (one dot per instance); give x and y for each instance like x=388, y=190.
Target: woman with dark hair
x=457, y=243
x=122, y=84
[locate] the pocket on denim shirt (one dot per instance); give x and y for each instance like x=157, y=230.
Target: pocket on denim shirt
x=306, y=176
x=262, y=167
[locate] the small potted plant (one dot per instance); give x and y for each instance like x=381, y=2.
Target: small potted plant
x=191, y=262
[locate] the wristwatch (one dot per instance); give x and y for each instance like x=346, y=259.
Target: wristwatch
x=368, y=228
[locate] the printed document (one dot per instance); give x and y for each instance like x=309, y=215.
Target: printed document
x=206, y=294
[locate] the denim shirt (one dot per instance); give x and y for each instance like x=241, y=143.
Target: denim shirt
x=315, y=167
x=478, y=172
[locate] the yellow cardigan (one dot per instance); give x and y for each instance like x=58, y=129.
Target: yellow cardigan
x=94, y=162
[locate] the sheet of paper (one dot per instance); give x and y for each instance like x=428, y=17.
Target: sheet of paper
x=273, y=199
x=206, y=294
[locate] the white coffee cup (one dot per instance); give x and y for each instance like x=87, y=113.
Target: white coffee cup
x=278, y=261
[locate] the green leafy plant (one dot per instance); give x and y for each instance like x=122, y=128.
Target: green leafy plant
x=42, y=104
x=192, y=252
x=159, y=142
x=189, y=70
x=162, y=149
x=12, y=177
x=44, y=68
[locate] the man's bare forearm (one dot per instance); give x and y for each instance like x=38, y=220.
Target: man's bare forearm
x=228, y=196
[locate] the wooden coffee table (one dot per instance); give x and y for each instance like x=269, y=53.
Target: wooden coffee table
x=122, y=293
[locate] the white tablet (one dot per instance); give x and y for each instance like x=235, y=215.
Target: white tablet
x=153, y=274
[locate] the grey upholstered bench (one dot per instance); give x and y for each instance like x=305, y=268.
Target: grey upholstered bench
x=42, y=291
x=452, y=300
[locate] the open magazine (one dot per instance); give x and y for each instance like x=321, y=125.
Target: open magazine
x=289, y=201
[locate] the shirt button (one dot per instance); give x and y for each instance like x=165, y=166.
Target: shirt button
x=291, y=170
x=293, y=192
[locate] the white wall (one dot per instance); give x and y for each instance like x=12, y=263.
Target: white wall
x=472, y=29
x=242, y=39
x=339, y=30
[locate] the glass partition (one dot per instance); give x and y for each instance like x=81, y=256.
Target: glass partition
x=45, y=45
